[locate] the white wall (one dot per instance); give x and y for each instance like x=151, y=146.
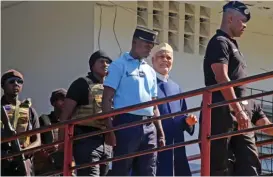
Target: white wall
x=50, y=43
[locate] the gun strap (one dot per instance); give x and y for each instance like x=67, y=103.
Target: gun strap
x=16, y=114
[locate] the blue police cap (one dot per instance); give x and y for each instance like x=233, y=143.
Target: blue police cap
x=239, y=6
x=145, y=34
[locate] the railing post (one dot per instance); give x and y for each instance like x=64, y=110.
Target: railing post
x=206, y=131
x=68, y=145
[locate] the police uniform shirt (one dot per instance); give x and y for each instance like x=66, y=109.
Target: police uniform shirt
x=223, y=49
x=134, y=81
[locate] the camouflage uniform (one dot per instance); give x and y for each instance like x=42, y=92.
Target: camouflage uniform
x=22, y=117
x=22, y=123
x=96, y=146
x=50, y=159
x=87, y=93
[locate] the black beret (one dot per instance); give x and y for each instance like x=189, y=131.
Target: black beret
x=57, y=94
x=9, y=74
x=97, y=55
x=145, y=34
x=239, y=6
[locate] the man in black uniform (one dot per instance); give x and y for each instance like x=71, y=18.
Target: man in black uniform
x=224, y=62
x=258, y=118
x=83, y=99
x=22, y=117
x=45, y=160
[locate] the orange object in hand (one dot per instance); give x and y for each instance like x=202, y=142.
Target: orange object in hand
x=191, y=120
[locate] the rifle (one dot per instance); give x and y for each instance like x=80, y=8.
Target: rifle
x=15, y=144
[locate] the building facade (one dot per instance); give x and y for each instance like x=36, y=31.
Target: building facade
x=50, y=42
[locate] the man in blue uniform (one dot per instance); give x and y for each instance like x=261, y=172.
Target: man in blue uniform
x=131, y=81
x=174, y=161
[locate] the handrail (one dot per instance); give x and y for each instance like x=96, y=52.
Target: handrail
x=226, y=135
x=168, y=147
x=223, y=103
x=115, y=112
x=149, y=151
x=128, y=125
x=105, y=131
x=205, y=138
x=258, y=144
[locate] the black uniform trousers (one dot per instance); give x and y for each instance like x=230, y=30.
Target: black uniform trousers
x=242, y=146
x=91, y=149
x=14, y=168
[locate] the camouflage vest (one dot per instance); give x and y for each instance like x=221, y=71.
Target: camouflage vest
x=51, y=136
x=19, y=119
x=94, y=106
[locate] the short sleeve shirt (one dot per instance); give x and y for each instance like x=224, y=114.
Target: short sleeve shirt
x=79, y=90
x=134, y=81
x=223, y=49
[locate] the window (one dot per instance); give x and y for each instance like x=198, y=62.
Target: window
x=142, y=14
x=173, y=25
x=204, y=26
x=185, y=26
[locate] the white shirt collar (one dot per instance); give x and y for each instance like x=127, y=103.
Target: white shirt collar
x=161, y=77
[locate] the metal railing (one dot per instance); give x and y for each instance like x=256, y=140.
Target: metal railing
x=267, y=106
x=206, y=126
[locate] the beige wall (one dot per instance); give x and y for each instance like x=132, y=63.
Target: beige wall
x=49, y=42
x=188, y=70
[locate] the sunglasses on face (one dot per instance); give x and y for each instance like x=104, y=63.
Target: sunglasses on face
x=15, y=80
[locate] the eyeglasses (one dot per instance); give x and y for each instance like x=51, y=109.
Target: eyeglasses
x=15, y=80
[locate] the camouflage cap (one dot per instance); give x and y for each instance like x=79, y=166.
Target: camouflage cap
x=9, y=74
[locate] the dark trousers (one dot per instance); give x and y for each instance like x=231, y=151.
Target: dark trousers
x=91, y=149
x=131, y=140
x=12, y=168
x=243, y=146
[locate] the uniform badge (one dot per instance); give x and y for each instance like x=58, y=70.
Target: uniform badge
x=246, y=11
x=7, y=107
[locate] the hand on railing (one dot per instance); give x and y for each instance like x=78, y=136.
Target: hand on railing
x=242, y=120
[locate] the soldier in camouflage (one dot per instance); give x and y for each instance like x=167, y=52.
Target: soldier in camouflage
x=84, y=98
x=22, y=117
x=49, y=158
